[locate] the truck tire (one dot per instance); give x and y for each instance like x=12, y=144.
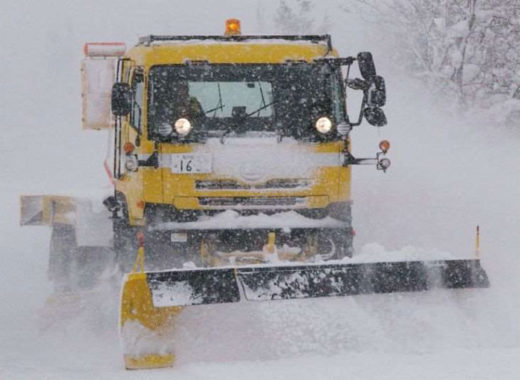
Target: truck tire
x=72, y=267
x=62, y=254
x=343, y=240
x=161, y=253
x=91, y=262
x=125, y=244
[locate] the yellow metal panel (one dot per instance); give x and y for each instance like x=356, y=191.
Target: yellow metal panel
x=149, y=361
x=175, y=53
x=131, y=183
x=132, y=187
x=333, y=182
x=326, y=147
x=31, y=210
x=318, y=201
x=47, y=210
x=137, y=306
x=153, y=185
x=186, y=203
x=344, y=181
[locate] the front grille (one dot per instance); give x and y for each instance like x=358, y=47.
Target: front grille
x=273, y=184
x=220, y=185
x=252, y=201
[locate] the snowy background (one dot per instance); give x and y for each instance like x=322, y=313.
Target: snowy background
x=455, y=165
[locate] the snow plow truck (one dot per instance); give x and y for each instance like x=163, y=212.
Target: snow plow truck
x=231, y=166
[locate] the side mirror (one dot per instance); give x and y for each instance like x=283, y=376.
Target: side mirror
x=375, y=116
x=376, y=93
x=367, y=68
x=121, y=99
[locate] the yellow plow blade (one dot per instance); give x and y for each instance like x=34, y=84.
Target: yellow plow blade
x=143, y=327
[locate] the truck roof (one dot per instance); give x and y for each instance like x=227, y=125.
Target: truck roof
x=160, y=50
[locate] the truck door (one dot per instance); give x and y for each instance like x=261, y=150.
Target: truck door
x=131, y=134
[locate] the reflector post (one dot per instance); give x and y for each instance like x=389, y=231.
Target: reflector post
x=232, y=27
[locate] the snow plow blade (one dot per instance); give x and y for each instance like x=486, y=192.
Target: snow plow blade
x=257, y=283
x=151, y=300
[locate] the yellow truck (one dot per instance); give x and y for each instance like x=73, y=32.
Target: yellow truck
x=231, y=168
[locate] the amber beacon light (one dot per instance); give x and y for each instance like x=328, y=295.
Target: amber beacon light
x=232, y=27
x=384, y=146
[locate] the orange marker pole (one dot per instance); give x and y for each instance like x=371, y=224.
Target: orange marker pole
x=477, y=243
x=139, y=260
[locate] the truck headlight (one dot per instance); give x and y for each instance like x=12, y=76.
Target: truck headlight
x=183, y=126
x=165, y=130
x=324, y=125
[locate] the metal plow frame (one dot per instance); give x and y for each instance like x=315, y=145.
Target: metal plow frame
x=153, y=299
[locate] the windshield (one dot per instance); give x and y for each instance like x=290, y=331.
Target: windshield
x=241, y=98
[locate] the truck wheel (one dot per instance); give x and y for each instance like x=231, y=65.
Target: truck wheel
x=125, y=245
x=343, y=240
x=161, y=253
x=91, y=262
x=62, y=253
x=335, y=244
x=72, y=267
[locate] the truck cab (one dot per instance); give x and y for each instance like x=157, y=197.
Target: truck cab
x=223, y=140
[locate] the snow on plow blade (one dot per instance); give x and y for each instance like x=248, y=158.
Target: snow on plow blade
x=150, y=301
x=207, y=286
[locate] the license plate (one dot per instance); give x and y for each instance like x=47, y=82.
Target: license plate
x=191, y=163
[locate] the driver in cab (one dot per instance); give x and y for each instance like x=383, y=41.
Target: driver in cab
x=186, y=106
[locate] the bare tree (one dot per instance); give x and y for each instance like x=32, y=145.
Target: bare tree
x=464, y=46
x=299, y=17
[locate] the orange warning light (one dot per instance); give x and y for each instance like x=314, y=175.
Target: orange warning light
x=384, y=146
x=128, y=147
x=232, y=27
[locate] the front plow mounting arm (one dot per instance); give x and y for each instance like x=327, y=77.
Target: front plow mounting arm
x=151, y=301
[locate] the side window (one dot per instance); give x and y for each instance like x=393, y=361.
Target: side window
x=137, y=103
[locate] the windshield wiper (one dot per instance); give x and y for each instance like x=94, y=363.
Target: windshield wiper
x=262, y=94
x=219, y=106
x=234, y=123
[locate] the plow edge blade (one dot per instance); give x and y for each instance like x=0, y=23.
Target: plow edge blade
x=258, y=283
x=262, y=284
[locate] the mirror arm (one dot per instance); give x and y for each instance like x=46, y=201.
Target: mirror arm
x=349, y=159
x=379, y=160
x=363, y=105
x=359, y=161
